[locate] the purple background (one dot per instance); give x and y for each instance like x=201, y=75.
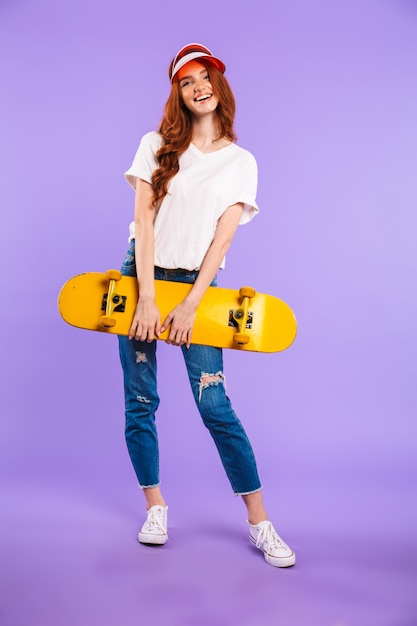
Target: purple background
x=327, y=101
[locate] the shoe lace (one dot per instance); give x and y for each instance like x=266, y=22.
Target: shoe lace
x=267, y=535
x=155, y=518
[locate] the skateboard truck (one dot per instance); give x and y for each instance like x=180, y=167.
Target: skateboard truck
x=242, y=318
x=112, y=301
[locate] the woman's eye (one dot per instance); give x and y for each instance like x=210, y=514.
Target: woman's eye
x=186, y=83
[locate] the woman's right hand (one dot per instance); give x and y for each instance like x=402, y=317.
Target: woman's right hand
x=146, y=322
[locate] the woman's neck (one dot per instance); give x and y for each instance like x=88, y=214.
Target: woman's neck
x=206, y=134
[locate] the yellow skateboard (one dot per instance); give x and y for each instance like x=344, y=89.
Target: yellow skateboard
x=226, y=318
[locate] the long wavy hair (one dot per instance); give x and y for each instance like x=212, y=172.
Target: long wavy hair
x=176, y=128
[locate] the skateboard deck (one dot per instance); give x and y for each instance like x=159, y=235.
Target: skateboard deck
x=242, y=319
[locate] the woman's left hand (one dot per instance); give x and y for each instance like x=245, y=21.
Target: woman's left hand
x=181, y=320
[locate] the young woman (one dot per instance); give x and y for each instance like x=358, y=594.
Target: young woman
x=193, y=187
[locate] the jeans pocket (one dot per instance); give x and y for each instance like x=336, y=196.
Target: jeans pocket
x=129, y=266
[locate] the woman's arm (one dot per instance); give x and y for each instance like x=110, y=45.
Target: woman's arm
x=183, y=316
x=146, y=320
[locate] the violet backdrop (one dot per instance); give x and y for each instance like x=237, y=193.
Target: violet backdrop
x=327, y=101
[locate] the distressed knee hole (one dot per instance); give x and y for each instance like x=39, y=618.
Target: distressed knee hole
x=210, y=380
x=141, y=357
x=143, y=399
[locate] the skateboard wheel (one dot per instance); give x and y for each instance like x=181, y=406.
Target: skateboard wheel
x=240, y=338
x=107, y=321
x=247, y=292
x=113, y=275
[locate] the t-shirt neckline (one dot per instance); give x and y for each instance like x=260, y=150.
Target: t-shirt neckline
x=205, y=154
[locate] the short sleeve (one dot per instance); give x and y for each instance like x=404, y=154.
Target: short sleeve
x=145, y=161
x=246, y=188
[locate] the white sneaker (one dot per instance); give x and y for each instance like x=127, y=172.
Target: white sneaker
x=276, y=552
x=154, y=530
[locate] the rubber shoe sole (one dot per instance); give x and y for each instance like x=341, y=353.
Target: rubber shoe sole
x=152, y=540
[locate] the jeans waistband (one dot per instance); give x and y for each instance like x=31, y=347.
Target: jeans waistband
x=178, y=271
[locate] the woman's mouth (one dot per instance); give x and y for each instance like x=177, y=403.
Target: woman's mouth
x=202, y=98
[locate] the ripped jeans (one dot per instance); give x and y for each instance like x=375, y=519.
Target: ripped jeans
x=205, y=371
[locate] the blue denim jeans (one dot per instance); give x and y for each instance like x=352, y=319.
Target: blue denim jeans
x=205, y=371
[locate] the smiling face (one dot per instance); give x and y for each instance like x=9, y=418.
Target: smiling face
x=196, y=89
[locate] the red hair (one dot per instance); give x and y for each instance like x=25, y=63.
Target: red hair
x=176, y=128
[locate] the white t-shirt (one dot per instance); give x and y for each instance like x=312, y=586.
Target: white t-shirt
x=205, y=186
